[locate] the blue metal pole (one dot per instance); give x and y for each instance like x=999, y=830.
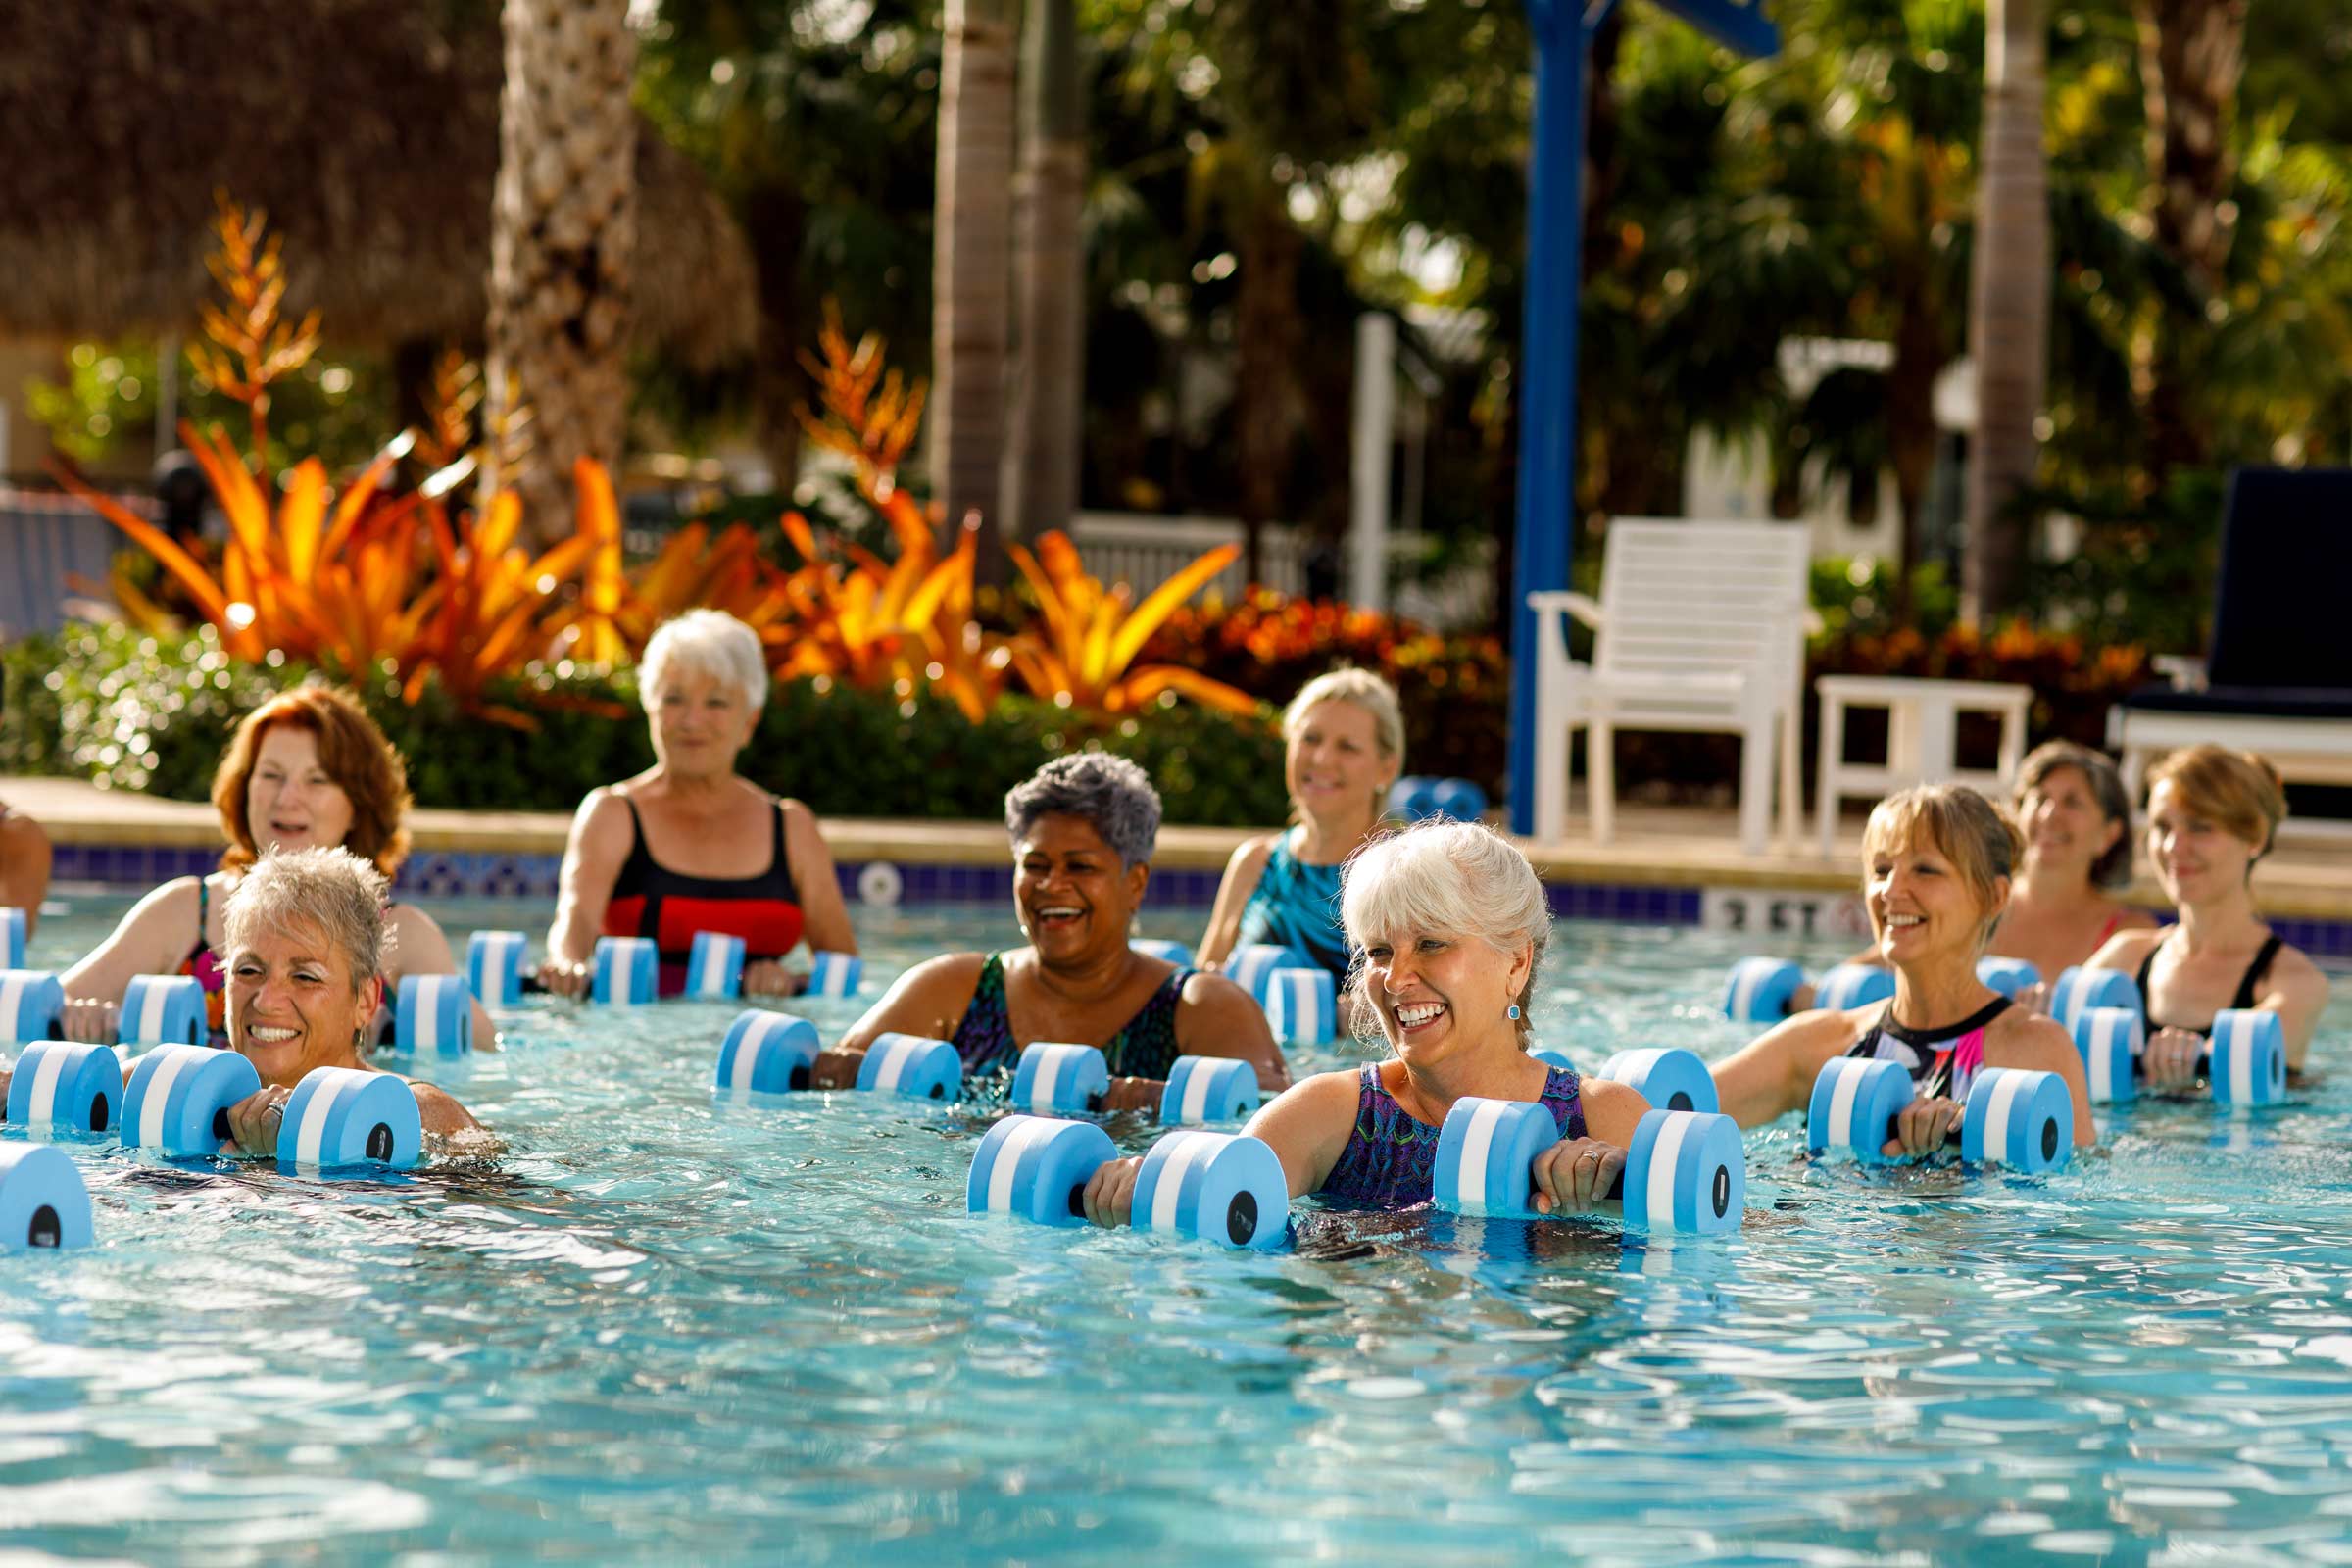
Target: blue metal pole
x=1547, y=516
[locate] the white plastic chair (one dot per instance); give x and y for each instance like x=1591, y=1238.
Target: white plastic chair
x=1701, y=627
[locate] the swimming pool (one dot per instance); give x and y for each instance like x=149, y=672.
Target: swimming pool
x=662, y=1325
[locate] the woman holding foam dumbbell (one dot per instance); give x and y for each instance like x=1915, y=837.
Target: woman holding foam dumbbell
x=1938, y=864
x=1452, y=923
x=659, y=856
x=2213, y=815
x=1083, y=829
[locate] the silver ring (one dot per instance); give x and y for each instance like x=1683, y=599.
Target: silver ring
x=278, y=1111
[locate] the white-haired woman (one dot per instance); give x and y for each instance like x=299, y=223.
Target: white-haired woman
x=663, y=854
x=1342, y=747
x=1452, y=925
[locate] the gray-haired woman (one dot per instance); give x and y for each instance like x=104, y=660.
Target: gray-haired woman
x=1081, y=831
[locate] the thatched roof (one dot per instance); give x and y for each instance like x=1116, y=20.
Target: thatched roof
x=367, y=128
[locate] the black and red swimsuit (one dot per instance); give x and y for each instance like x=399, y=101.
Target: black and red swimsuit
x=650, y=899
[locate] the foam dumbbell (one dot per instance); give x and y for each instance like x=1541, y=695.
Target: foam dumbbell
x=433, y=1016
x=1053, y=1077
x=1552, y=1056
x=1217, y=1187
x=1413, y=797
x=2247, y=1066
x=1175, y=953
x=162, y=1009
x=179, y=1097
x=914, y=1067
x=1302, y=1007
x=1764, y=990
x=2008, y=976
x=1669, y=1077
x=835, y=974
x=1852, y=984
x=2110, y=1040
x=768, y=1052
x=494, y=967
x=1203, y=1089
x=2079, y=990
x=1252, y=967
x=2012, y=1116
x=346, y=1118
x=33, y=1007
x=12, y=926
x=1459, y=799
x=627, y=971
x=715, y=967
x=1685, y=1170
x=43, y=1202
x=65, y=1086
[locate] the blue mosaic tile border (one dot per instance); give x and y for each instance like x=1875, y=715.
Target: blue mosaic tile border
x=1624, y=904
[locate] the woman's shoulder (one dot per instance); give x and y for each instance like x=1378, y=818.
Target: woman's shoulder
x=2292, y=969
x=1250, y=856
x=2126, y=949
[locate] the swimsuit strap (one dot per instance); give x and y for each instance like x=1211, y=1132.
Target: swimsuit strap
x=1934, y=1039
x=2260, y=966
x=2245, y=999
x=2108, y=930
x=1143, y=1047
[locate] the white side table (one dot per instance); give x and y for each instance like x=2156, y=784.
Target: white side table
x=1922, y=722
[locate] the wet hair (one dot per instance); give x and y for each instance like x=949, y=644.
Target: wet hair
x=1458, y=879
x=1109, y=792
x=352, y=751
x=1976, y=836
x=2113, y=868
x=329, y=890
x=710, y=643
x=2239, y=790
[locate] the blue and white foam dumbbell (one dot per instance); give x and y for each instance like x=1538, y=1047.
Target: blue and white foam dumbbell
x=1059, y=1079
x=494, y=967
x=1855, y=1104
x=1764, y=990
x=2110, y=1040
x=162, y=1009
x=835, y=974
x=2248, y=1061
x=1302, y=1005
x=12, y=926
x=66, y=1087
x=1458, y=798
x=1175, y=953
x=912, y=1066
x=345, y=1118
x=715, y=967
x=1552, y=1056
x=2019, y=1118
x=1852, y=984
x=43, y=1202
x=1037, y=1167
x=1685, y=1171
x=1226, y=1188
x=768, y=1052
x=2079, y=990
x=1252, y=967
x=33, y=1007
x=1669, y=1077
x=629, y=971
x=2008, y=976
x=434, y=1016
x=179, y=1097
x=1203, y=1089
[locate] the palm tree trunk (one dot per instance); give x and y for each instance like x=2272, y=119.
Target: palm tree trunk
x=971, y=260
x=1919, y=359
x=2191, y=53
x=563, y=230
x=2009, y=315
x=1048, y=370
x=1266, y=352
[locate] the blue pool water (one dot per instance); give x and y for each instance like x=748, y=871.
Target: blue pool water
x=661, y=1327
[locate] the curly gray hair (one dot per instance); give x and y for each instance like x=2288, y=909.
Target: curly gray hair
x=1109, y=792
x=326, y=887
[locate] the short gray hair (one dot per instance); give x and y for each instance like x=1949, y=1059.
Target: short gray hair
x=1109, y=792
x=1459, y=879
x=328, y=888
x=705, y=642
x=1365, y=690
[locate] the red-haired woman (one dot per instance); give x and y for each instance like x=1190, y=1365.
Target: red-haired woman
x=307, y=767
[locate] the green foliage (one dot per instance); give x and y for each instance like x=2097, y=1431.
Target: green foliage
x=334, y=410
x=2143, y=571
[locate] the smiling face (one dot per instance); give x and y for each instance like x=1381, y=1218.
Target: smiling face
x=1074, y=900
x=1332, y=761
x=1921, y=907
x=2196, y=859
x=2066, y=832
x=290, y=802
x=291, y=1002
x=1441, y=997
x=700, y=722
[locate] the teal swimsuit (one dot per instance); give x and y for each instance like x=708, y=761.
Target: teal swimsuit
x=1297, y=907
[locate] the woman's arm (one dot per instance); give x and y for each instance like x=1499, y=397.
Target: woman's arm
x=418, y=946
x=593, y=857
x=1307, y=1127
x=2020, y=1039
x=929, y=1000
x=1216, y=1018
x=825, y=919
x=1774, y=1075
x=23, y=865
x=154, y=938
x=1242, y=873
x=442, y=1115
x=2296, y=990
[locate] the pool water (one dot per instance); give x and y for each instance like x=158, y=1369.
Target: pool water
x=662, y=1326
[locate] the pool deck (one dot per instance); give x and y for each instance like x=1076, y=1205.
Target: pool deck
x=1666, y=847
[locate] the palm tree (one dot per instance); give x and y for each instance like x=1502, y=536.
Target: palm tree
x=563, y=231
x=972, y=259
x=1041, y=460
x=2009, y=313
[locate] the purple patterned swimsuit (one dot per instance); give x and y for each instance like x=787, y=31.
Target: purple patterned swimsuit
x=1391, y=1158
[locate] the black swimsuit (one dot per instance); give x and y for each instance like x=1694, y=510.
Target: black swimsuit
x=1940, y=1061
x=2246, y=998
